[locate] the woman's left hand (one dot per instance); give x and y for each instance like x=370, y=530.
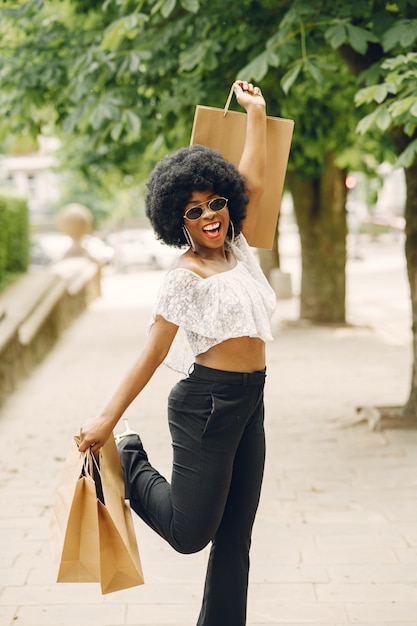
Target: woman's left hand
x=247, y=95
x=94, y=434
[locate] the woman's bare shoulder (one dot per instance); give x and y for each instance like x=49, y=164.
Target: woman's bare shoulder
x=188, y=261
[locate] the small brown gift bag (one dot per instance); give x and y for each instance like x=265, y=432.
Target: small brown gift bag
x=224, y=131
x=91, y=530
x=120, y=566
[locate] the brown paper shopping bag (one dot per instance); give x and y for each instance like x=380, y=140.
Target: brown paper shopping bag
x=224, y=131
x=120, y=565
x=91, y=530
x=118, y=569
x=74, y=524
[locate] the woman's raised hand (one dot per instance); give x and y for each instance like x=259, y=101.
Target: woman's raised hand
x=247, y=95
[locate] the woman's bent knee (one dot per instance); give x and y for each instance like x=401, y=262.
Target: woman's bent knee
x=190, y=545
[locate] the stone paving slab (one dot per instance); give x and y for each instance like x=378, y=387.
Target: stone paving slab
x=335, y=541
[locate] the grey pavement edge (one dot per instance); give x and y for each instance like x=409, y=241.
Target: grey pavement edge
x=335, y=540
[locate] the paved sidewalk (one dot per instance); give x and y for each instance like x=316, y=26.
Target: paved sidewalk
x=335, y=540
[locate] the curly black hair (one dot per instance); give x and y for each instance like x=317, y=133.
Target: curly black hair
x=177, y=176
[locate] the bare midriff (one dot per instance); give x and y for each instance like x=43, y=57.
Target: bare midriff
x=243, y=354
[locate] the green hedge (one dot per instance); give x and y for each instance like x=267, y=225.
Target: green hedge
x=14, y=237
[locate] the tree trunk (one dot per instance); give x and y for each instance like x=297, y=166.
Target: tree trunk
x=319, y=206
x=410, y=408
x=401, y=141
x=269, y=259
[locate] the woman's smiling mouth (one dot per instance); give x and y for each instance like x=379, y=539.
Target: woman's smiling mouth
x=212, y=230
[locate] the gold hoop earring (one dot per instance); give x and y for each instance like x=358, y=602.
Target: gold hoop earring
x=188, y=238
x=232, y=232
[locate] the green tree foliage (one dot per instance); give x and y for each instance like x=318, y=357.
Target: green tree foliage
x=394, y=101
x=122, y=78
x=14, y=237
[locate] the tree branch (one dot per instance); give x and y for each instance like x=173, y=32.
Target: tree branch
x=356, y=62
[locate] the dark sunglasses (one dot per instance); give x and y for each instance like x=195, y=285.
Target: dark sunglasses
x=217, y=204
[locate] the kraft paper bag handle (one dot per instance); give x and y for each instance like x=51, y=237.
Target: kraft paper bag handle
x=228, y=101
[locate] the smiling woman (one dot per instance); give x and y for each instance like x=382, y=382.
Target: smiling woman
x=210, y=322
x=175, y=181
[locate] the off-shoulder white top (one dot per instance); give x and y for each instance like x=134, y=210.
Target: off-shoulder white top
x=235, y=303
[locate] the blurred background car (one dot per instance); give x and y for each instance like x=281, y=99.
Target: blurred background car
x=47, y=248
x=138, y=247
x=98, y=249
x=126, y=249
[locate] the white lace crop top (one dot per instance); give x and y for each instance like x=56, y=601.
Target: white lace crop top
x=235, y=303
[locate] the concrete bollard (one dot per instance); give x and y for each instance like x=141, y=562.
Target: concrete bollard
x=281, y=283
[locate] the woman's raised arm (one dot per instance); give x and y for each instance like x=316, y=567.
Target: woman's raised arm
x=252, y=164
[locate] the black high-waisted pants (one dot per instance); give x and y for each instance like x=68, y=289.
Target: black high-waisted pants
x=216, y=423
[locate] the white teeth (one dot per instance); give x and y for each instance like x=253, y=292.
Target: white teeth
x=212, y=226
